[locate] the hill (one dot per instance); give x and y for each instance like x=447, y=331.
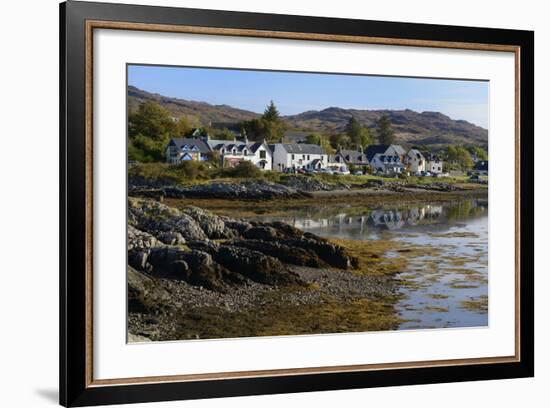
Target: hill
x=425, y=128
x=204, y=112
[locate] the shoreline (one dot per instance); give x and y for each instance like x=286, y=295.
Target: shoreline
x=358, y=197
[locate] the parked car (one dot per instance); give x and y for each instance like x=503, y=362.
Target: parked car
x=358, y=173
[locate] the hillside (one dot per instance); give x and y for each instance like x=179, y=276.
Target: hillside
x=205, y=112
x=427, y=128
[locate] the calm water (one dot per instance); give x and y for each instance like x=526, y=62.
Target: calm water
x=447, y=282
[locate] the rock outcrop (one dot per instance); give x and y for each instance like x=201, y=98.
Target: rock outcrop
x=193, y=245
x=248, y=190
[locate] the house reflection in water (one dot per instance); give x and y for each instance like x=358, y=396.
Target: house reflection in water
x=359, y=221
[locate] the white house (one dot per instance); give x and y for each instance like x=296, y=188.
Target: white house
x=232, y=152
x=434, y=164
x=183, y=149
x=387, y=164
x=298, y=156
x=416, y=163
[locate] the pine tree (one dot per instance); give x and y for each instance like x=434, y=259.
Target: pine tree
x=386, y=135
x=271, y=113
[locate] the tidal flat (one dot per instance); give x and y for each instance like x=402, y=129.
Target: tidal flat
x=418, y=265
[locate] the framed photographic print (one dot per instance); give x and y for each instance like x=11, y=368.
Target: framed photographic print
x=255, y=203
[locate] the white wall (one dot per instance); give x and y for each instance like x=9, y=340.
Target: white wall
x=29, y=205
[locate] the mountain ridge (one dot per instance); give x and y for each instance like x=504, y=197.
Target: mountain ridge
x=423, y=128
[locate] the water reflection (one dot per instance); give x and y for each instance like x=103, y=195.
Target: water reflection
x=448, y=287
x=348, y=221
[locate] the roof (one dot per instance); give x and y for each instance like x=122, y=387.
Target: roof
x=353, y=156
x=398, y=149
x=191, y=142
x=302, y=148
x=375, y=149
x=255, y=146
x=415, y=153
x=239, y=145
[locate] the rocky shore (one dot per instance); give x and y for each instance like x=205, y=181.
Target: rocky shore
x=289, y=187
x=189, y=262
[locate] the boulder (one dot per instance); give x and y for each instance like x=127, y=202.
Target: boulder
x=255, y=265
x=171, y=237
x=212, y=225
x=140, y=239
x=284, y=253
x=144, y=294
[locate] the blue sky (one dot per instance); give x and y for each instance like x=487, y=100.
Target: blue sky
x=295, y=92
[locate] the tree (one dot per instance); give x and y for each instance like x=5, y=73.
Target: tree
x=359, y=135
x=386, y=135
x=151, y=120
x=149, y=129
x=182, y=127
x=479, y=152
x=224, y=134
x=340, y=140
x=271, y=113
x=452, y=153
x=464, y=158
x=314, y=138
x=270, y=126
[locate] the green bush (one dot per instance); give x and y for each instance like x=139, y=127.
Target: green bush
x=244, y=169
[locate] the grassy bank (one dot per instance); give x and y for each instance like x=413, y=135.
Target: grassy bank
x=192, y=173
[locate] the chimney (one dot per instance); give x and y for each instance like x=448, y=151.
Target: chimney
x=281, y=140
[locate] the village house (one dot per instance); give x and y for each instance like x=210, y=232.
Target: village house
x=416, y=163
x=387, y=150
x=184, y=149
x=353, y=157
x=434, y=164
x=232, y=152
x=298, y=156
x=387, y=164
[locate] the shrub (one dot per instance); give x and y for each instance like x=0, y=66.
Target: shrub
x=244, y=169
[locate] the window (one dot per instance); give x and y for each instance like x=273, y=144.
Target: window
x=303, y=156
x=308, y=156
x=262, y=154
x=292, y=157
